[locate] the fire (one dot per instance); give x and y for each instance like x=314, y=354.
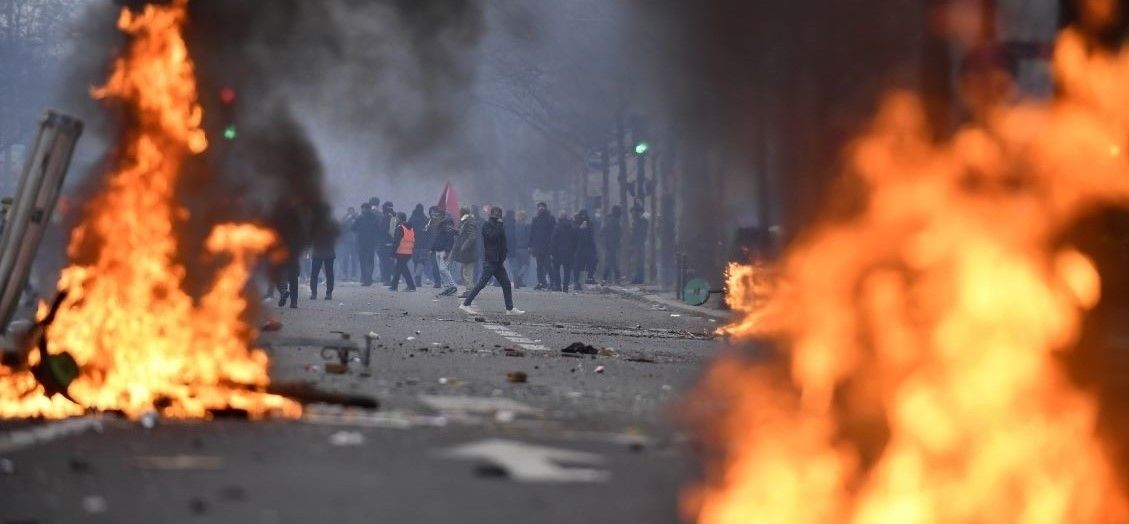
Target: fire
x=917, y=373
x=141, y=341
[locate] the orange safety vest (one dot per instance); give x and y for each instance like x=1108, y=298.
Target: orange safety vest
x=408, y=242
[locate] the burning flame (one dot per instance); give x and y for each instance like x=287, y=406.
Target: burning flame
x=141, y=341
x=922, y=338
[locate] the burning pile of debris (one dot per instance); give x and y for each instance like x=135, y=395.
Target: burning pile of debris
x=919, y=344
x=125, y=335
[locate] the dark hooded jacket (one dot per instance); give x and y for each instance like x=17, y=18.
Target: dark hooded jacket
x=466, y=243
x=442, y=231
x=564, y=241
x=418, y=220
x=367, y=228
x=541, y=232
x=586, y=239
x=494, y=241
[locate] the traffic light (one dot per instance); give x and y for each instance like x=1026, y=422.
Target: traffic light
x=227, y=97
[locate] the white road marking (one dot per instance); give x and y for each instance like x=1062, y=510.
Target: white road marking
x=528, y=463
x=524, y=342
x=26, y=438
x=476, y=404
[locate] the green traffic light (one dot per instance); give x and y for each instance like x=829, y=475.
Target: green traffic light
x=641, y=148
x=229, y=132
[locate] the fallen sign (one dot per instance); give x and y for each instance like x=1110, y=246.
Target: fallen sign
x=529, y=463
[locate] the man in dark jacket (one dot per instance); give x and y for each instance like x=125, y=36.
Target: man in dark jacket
x=465, y=251
x=586, y=257
x=443, y=233
x=520, y=259
x=564, y=244
x=541, y=246
x=612, y=237
x=388, y=225
x=367, y=228
x=323, y=253
x=421, y=257
x=494, y=264
x=639, y=230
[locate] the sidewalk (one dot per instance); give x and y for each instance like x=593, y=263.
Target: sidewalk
x=654, y=295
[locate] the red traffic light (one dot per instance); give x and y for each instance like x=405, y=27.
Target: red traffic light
x=227, y=95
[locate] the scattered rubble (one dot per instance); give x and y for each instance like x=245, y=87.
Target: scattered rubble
x=511, y=352
x=347, y=438
x=517, y=377
x=599, y=370
x=333, y=368
x=581, y=348
x=94, y=504
x=271, y=325
x=179, y=463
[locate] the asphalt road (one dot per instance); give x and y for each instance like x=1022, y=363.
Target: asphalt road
x=453, y=441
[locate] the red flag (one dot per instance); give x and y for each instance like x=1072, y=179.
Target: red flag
x=448, y=201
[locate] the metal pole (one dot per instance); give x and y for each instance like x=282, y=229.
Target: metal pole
x=40, y=185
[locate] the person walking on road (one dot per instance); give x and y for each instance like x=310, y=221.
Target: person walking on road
x=612, y=238
x=465, y=251
x=564, y=244
x=323, y=252
x=367, y=229
x=494, y=264
x=443, y=233
x=403, y=247
x=586, y=258
x=541, y=246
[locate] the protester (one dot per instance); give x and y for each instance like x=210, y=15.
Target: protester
x=403, y=246
x=422, y=255
x=564, y=245
x=520, y=259
x=586, y=258
x=494, y=257
x=443, y=233
x=288, y=221
x=322, y=253
x=612, y=237
x=347, y=247
x=541, y=247
x=387, y=255
x=638, y=243
x=367, y=229
x=465, y=251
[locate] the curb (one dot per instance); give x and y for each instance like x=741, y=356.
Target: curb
x=670, y=303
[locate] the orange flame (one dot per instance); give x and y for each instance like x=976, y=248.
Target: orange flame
x=141, y=341
x=922, y=336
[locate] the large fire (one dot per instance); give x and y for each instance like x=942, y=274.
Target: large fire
x=922, y=339
x=143, y=343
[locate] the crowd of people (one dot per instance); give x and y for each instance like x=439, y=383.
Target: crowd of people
x=380, y=245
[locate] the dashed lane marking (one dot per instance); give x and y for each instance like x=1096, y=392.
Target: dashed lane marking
x=515, y=337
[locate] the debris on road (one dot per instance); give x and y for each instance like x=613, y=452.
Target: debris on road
x=599, y=369
x=333, y=368
x=418, y=332
x=517, y=377
x=94, y=504
x=675, y=315
x=79, y=466
x=645, y=360
x=409, y=339
x=658, y=307
x=447, y=381
x=198, y=506
x=504, y=416
x=607, y=352
x=479, y=319
x=347, y=438
x=271, y=325
x=511, y=352
x=523, y=462
x=149, y=419
x=7, y=467
x=179, y=463
x=581, y=348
